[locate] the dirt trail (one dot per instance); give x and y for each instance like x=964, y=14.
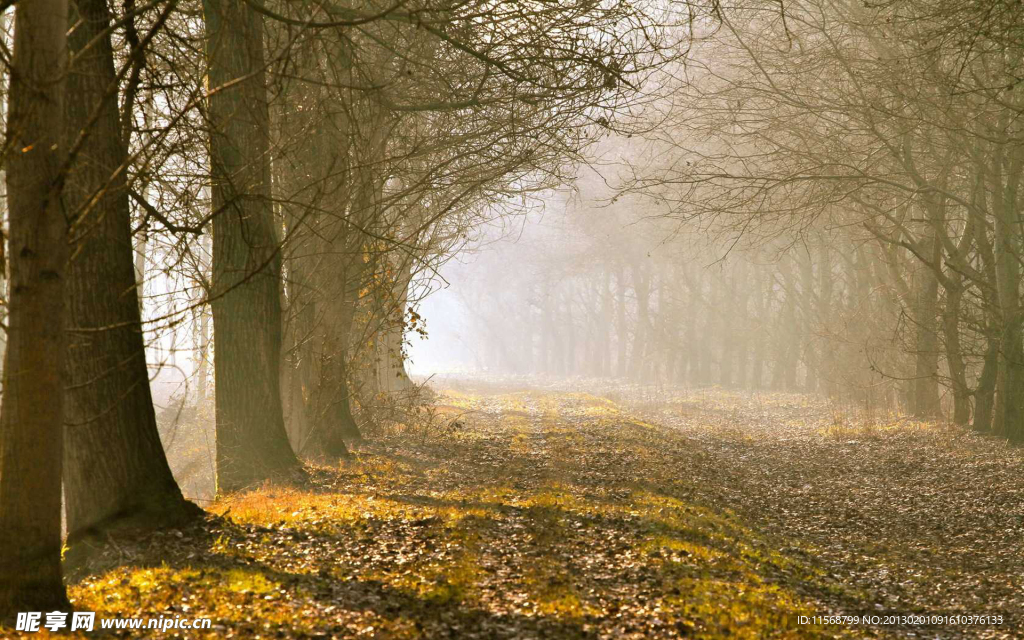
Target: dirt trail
x=563, y=515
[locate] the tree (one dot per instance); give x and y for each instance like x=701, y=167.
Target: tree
x=392, y=142
x=32, y=418
x=252, y=444
x=115, y=470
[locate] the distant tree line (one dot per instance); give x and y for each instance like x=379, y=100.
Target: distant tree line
x=828, y=199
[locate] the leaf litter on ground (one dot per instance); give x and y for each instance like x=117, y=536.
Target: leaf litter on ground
x=623, y=513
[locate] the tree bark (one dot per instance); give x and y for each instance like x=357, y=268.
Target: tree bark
x=1010, y=384
x=252, y=445
x=203, y=356
x=32, y=418
x=335, y=421
x=954, y=354
x=984, y=393
x=394, y=378
x=925, y=397
x=115, y=470
x=953, y=285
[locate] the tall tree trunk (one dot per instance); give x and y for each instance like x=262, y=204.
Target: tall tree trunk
x=335, y=421
x=788, y=352
x=638, y=355
x=812, y=364
x=551, y=344
x=621, y=328
x=984, y=393
x=1009, y=414
x=395, y=378
x=706, y=335
x=827, y=374
x=743, y=320
x=726, y=327
x=691, y=355
x=203, y=368
x=313, y=185
x=925, y=396
x=525, y=340
x=604, y=333
x=570, y=334
x=953, y=285
x=666, y=336
x=32, y=418
x=954, y=353
x=115, y=470
x=252, y=444
x=298, y=365
x=760, y=306
x=4, y=280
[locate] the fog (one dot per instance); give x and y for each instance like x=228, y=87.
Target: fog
x=597, y=281
x=560, y=319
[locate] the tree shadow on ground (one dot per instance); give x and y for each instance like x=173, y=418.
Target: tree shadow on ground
x=176, y=573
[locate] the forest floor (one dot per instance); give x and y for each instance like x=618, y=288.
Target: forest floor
x=549, y=513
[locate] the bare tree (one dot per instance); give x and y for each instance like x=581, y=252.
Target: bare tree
x=115, y=472
x=252, y=444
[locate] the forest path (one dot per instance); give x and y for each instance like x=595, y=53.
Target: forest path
x=552, y=514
